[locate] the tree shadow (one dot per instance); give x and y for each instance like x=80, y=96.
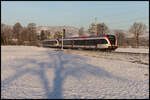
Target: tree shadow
x=64, y=65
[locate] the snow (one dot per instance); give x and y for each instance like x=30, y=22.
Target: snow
x=36, y=72
x=134, y=50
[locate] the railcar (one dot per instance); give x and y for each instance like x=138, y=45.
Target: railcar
x=106, y=42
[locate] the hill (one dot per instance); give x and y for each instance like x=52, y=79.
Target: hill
x=70, y=30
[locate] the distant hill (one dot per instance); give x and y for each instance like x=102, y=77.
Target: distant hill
x=70, y=30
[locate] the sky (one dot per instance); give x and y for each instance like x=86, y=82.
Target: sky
x=115, y=14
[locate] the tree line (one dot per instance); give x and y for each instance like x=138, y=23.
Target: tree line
x=19, y=35
x=137, y=29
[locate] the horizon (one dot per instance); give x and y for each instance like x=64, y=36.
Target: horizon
x=116, y=14
x=72, y=26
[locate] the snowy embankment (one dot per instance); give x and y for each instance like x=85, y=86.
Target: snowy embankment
x=33, y=72
x=134, y=50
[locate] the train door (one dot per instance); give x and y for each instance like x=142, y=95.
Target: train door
x=102, y=43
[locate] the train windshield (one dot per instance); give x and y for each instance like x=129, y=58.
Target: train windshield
x=112, y=39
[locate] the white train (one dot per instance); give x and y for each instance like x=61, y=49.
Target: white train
x=100, y=42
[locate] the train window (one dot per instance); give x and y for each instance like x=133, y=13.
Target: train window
x=86, y=42
x=93, y=42
x=76, y=42
x=102, y=41
x=90, y=42
x=79, y=42
x=67, y=42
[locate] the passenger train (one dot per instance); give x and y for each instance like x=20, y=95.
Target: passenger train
x=105, y=42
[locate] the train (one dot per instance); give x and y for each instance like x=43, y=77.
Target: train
x=105, y=42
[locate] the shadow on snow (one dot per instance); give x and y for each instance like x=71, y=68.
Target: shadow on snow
x=64, y=65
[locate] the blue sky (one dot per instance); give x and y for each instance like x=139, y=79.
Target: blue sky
x=115, y=14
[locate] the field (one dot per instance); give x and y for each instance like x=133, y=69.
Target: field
x=36, y=72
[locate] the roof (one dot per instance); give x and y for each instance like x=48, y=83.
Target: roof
x=79, y=38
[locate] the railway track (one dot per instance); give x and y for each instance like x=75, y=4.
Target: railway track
x=130, y=53
x=106, y=51
x=140, y=58
x=115, y=52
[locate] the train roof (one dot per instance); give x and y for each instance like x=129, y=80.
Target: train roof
x=75, y=39
x=81, y=38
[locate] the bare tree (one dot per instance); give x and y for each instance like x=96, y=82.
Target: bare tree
x=3, y=36
x=58, y=34
x=81, y=31
x=102, y=29
x=2, y=39
x=32, y=32
x=120, y=37
x=6, y=34
x=137, y=29
x=64, y=33
x=18, y=34
x=42, y=35
x=25, y=35
x=47, y=33
x=92, y=30
x=17, y=29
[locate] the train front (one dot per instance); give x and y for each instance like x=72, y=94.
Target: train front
x=113, y=42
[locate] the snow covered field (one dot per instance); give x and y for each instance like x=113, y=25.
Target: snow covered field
x=36, y=72
x=135, y=50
